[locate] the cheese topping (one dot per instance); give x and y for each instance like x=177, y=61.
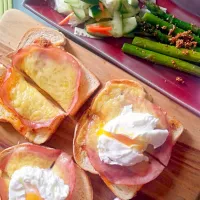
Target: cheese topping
x=140, y=128
x=46, y=182
x=29, y=102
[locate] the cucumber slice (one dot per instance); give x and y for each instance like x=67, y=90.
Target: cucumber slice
x=80, y=13
x=129, y=24
x=117, y=30
x=78, y=4
x=98, y=14
x=75, y=21
x=129, y=8
x=62, y=7
x=133, y=3
x=123, y=9
x=93, y=2
x=72, y=1
x=127, y=15
x=95, y=11
x=112, y=5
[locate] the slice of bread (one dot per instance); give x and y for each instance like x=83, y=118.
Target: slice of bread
x=122, y=191
x=54, y=36
x=88, y=84
x=82, y=190
x=26, y=108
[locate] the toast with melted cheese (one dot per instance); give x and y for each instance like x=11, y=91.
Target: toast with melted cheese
x=118, y=89
x=36, y=121
x=89, y=83
x=61, y=87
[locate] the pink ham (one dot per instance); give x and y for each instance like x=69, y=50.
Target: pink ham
x=135, y=175
x=64, y=167
x=3, y=189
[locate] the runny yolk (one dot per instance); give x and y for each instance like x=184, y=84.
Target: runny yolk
x=139, y=145
x=32, y=196
x=32, y=193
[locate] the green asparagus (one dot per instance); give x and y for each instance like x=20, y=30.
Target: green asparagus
x=155, y=9
x=152, y=19
x=169, y=50
x=162, y=59
x=197, y=49
x=146, y=28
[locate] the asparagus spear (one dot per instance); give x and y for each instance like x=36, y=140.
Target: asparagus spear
x=155, y=9
x=152, y=19
x=169, y=50
x=150, y=29
x=144, y=29
x=161, y=59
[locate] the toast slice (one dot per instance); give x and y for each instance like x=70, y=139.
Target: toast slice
x=22, y=105
x=53, y=70
x=124, y=192
x=13, y=158
x=89, y=83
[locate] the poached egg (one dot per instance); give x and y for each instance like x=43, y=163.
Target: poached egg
x=34, y=183
x=123, y=139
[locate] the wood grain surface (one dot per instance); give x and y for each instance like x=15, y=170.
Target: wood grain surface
x=179, y=181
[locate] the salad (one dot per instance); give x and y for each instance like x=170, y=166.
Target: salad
x=102, y=18
x=168, y=40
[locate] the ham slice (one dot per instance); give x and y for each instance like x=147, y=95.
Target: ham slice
x=107, y=105
x=53, y=70
x=135, y=175
x=64, y=167
x=3, y=189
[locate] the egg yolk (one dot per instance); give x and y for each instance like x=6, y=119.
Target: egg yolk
x=32, y=193
x=32, y=196
x=139, y=145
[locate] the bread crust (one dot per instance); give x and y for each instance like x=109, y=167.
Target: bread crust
x=27, y=40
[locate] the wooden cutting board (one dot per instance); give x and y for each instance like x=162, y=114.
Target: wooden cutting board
x=179, y=181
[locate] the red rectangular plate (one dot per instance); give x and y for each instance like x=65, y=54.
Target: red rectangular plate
x=161, y=78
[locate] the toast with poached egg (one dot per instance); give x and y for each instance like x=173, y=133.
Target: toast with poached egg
x=29, y=172
x=125, y=138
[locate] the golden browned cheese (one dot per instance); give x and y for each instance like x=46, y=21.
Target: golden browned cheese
x=26, y=159
x=28, y=101
x=56, y=75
